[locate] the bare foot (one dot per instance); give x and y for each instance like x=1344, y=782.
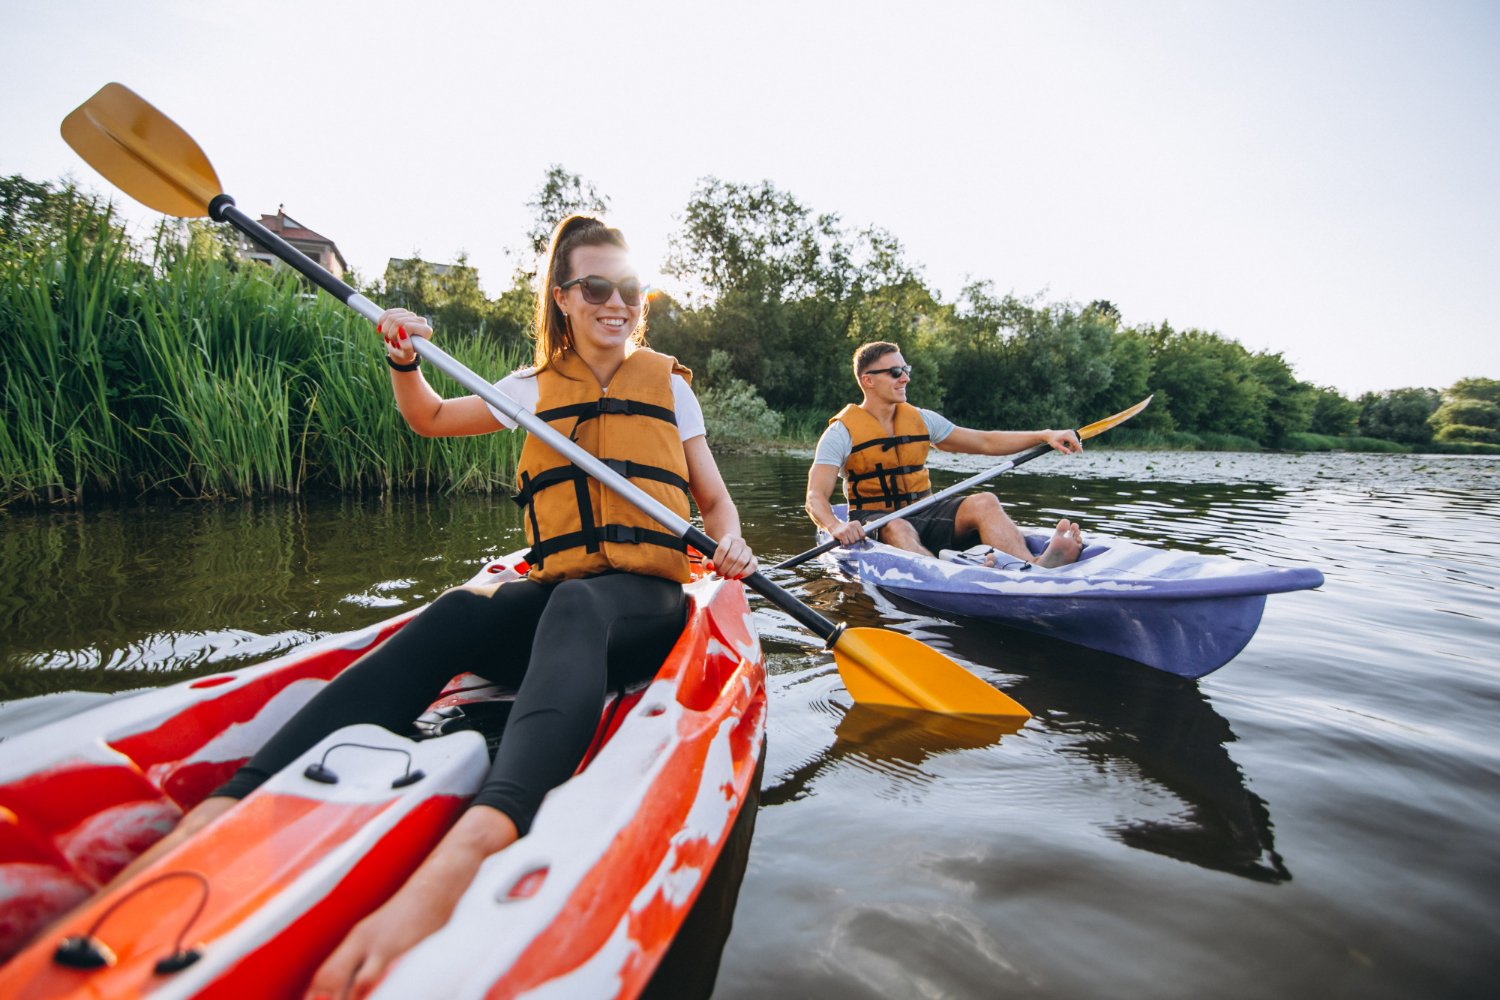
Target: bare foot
x=421, y=907
x=1065, y=547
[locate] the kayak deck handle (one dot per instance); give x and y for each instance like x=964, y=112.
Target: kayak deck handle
x=85, y=951
x=324, y=775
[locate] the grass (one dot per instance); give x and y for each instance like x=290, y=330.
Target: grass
x=1458, y=448
x=1325, y=442
x=1135, y=439
x=131, y=372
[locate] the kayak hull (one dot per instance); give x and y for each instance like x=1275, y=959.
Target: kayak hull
x=592, y=897
x=1179, y=612
x=1189, y=638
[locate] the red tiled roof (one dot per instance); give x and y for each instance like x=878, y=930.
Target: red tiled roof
x=288, y=228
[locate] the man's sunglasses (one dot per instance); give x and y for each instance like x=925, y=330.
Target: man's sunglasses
x=596, y=290
x=895, y=372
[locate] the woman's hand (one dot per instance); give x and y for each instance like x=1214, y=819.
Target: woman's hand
x=733, y=559
x=397, y=327
x=1064, y=441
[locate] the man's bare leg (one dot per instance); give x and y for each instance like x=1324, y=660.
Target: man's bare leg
x=983, y=513
x=901, y=535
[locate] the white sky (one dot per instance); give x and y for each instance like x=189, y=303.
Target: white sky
x=1318, y=178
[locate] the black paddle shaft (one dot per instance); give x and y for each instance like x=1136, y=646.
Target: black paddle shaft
x=809, y=619
x=222, y=209
x=834, y=543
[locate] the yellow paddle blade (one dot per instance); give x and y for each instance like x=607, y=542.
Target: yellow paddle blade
x=1100, y=426
x=888, y=668
x=142, y=152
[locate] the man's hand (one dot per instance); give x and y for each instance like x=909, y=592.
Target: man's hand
x=1066, y=442
x=847, y=532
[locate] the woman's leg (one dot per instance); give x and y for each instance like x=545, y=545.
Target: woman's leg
x=620, y=627
x=391, y=685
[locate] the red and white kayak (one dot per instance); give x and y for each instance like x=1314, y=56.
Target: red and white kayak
x=586, y=904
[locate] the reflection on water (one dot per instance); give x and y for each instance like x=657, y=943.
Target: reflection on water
x=1120, y=844
x=894, y=740
x=1120, y=715
x=115, y=598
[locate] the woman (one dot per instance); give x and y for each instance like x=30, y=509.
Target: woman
x=602, y=603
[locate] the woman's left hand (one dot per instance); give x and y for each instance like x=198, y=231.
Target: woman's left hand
x=733, y=559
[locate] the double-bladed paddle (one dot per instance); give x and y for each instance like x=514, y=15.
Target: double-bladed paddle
x=1084, y=433
x=149, y=157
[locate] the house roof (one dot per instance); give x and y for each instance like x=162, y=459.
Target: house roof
x=289, y=229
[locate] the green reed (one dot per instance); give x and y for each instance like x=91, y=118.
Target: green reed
x=132, y=372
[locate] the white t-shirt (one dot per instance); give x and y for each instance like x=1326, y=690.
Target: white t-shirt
x=837, y=444
x=520, y=386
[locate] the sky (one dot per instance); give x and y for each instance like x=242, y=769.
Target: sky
x=1316, y=178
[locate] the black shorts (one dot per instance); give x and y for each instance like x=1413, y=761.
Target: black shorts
x=934, y=525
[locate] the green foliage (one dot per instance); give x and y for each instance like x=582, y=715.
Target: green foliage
x=782, y=292
x=1333, y=413
x=1487, y=389
x=733, y=412
x=562, y=194
x=1016, y=365
x=1466, y=410
x=177, y=370
x=450, y=297
x=1462, y=448
x=1469, y=414
x=1304, y=441
x=1398, y=414
x=1143, y=439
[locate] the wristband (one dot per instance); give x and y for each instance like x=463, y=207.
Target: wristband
x=416, y=363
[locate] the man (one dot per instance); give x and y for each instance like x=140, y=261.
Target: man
x=880, y=446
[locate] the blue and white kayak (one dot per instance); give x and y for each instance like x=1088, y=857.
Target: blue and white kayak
x=1181, y=612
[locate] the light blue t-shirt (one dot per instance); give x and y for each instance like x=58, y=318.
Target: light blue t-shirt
x=837, y=444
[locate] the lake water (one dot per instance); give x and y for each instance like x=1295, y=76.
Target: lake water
x=1317, y=818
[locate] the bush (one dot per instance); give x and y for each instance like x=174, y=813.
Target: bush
x=1465, y=410
x=1460, y=448
x=1468, y=433
x=733, y=412
x=1398, y=414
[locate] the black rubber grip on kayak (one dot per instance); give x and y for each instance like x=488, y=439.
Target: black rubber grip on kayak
x=222, y=209
x=805, y=616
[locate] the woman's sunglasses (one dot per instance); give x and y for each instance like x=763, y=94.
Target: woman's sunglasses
x=596, y=290
x=895, y=372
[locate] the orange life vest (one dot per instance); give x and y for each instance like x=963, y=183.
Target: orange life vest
x=577, y=527
x=885, y=471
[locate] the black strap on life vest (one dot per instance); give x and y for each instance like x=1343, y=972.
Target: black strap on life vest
x=886, y=444
x=894, y=500
x=607, y=404
x=886, y=479
x=618, y=533
x=530, y=487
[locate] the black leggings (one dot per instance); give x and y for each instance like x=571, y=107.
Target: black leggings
x=563, y=644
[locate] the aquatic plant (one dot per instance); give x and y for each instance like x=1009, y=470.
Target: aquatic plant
x=145, y=368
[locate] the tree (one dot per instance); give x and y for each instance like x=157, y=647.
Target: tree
x=1333, y=412
x=562, y=194
x=1398, y=414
